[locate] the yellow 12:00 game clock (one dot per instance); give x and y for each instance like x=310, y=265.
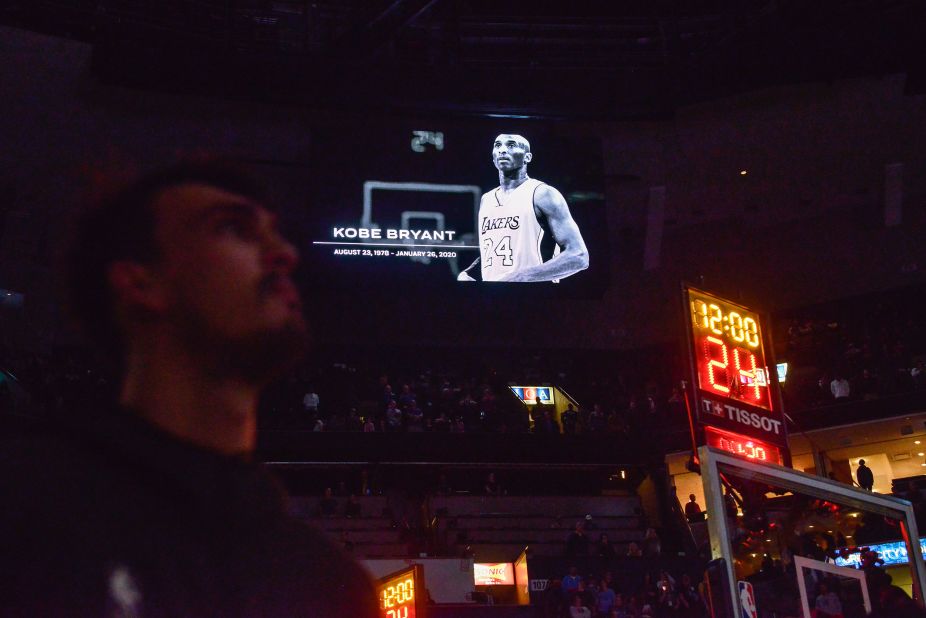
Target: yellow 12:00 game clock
x=400, y=593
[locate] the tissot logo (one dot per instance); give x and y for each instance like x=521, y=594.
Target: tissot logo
x=738, y=415
x=489, y=223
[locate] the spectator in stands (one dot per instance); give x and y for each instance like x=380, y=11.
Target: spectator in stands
x=605, y=600
x=346, y=543
x=442, y=423
x=668, y=595
x=569, y=418
x=597, y=422
x=388, y=396
x=572, y=581
x=648, y=591
x=492, y=487
x=352, y=509
x=693, y=509
x=310, y=401
x=578, y=608
x=894, y=603
x=620, y=608
x=839, y=387
x=868, y=386
x=689, y=598
x=328, y=506
x=634, y=551
x=156, y=506
x=546, y=423
x=603, y=548
x=407, y=397
x=864, y=475
x=577, y=542
x=554, y=599
x=368, y=425
x=827, y=603
x=393, y=416
x=876, y=577
x=414, y=417
x=918, y=375
x=590, y=591
x=652, y=548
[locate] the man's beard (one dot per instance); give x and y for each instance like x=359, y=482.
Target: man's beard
x=256, y=358
x=266, y=355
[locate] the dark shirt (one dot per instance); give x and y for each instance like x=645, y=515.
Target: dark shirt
x=576, y=545
x=865, y=477
x=692, y=510
x=124, y=519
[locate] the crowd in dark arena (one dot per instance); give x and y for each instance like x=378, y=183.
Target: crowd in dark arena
x=442, y=309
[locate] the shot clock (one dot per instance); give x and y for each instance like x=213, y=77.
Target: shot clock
x=731, y=358
x=734, y=389
x=400, y=593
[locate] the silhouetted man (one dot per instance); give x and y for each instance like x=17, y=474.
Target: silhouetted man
x=864, y=476
x=692, y=509
x=157, y=508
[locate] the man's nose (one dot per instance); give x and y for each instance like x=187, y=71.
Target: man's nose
x=280, y=253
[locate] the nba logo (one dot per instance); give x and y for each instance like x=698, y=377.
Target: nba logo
x=747, y=600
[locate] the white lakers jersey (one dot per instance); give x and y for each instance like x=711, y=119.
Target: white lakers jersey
x=509, y=233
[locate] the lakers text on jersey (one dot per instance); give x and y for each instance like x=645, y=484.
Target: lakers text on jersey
x=509, y=233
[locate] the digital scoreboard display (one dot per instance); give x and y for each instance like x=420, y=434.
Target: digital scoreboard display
x=728, y=349
x=532, y=395
x=742, y=446
x=456, y=204
x=734, y=387
x=400, y=593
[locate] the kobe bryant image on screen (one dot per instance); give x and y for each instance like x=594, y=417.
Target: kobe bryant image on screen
x=517, y=217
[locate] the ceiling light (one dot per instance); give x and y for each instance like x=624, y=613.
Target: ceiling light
x=743, y=172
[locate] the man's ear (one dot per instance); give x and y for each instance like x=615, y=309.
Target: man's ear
x=135, y=286
x=528, y=156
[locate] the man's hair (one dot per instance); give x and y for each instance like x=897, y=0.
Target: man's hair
x=520, y=139
x=121, y=226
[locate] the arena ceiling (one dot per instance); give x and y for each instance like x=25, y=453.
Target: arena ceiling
x=583, y=58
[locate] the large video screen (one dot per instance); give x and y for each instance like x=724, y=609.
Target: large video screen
x=449, y=204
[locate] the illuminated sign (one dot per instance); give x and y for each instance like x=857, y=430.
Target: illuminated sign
x=399, y=593
x=493, y=574
x=892, y=553
x=532, y=395
x=742, y=446
x=734, y=385
x=782, y=372
x=422, y=139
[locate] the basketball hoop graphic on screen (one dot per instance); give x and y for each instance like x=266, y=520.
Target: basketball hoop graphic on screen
x=449, y=207
x=747, y=600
